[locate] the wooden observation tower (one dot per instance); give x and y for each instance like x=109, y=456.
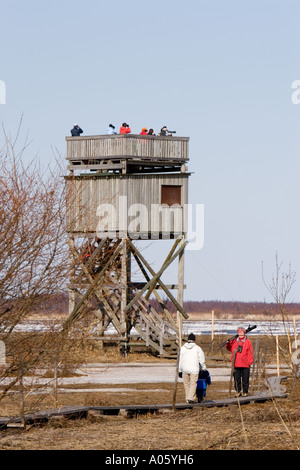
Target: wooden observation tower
x=121, y=191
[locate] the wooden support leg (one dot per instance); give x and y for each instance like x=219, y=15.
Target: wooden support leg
x=180, y=291
x=125, y=279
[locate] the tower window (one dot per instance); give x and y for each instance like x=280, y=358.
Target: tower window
x=171, y=195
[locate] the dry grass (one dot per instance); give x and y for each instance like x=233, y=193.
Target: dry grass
x=271, y=425
x=198, y=429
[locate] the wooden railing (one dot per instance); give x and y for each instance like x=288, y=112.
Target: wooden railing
x=105, y=146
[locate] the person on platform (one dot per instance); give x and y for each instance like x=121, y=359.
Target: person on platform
x=125, y=129
x=164, y=132
x=242, y=354
x=76, y=131
x=191, y=359
x=111, y=130
x=151, y=132
x=144, y=131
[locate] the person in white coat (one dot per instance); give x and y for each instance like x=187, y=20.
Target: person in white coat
x=191, y=359
x=111, y=130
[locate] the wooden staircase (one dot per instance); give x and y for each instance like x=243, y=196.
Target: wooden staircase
x=151, y=329
x=157, y=333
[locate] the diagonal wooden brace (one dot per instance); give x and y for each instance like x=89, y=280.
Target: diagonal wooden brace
x=156, y=278
x=159, y=299
x=90, y=290
x=111, y=312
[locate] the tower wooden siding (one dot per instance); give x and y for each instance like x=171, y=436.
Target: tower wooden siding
x=138, y=196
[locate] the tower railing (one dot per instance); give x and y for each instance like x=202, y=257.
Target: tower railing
x=128, y=146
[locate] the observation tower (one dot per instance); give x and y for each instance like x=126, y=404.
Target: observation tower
x=124, y=190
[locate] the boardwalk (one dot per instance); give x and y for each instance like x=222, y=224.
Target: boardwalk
x=274, y=390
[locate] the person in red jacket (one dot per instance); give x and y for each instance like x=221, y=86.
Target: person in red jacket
x=242, y=350
x=125, y=129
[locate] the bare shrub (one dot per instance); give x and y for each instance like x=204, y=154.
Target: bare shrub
x=32, y=252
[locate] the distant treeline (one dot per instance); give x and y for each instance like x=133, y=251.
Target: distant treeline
x=237, y=308
x=59, y=303
x=234, y=308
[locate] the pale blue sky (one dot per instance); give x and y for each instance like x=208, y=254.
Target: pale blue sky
x=218, y=71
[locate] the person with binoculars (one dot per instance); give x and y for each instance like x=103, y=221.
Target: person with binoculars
x=125, y=129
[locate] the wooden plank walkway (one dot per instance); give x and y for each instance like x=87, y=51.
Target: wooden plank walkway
x=130, y=411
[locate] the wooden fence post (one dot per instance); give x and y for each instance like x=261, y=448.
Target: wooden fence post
x=255, y=363
x=21, y=394
x=277, y=356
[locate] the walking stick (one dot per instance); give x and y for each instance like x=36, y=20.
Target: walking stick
x=176, y=380
x=232, y=372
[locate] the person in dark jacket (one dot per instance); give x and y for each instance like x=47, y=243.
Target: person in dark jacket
x=76, y=131
x=242, y=350
x=165, y=132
